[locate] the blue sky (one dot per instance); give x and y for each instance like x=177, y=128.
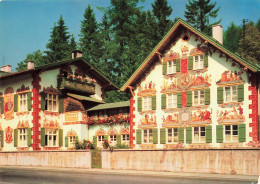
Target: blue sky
x=25, y=25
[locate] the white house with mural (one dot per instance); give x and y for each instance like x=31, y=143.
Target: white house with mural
x=45, y=108
x=191, y=92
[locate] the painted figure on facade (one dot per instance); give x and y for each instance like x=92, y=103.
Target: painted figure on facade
x=8, y=135
x=148, y=120
x=201, y=115
x=231, y=115
x=171, y=119
x=148, y=88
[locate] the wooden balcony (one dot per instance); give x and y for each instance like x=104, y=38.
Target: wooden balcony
x=77, y=85
x=75, y=117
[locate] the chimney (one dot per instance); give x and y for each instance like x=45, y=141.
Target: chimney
x=30, y=65
x=217, y=33
x=6, y=68
x=76, y=54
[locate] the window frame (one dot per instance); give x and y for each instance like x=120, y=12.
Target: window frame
x=126, y=137
x=100, y=143
x=50, y=102
x=175, y=134
x=148, y=134
x=22, y=137
x=231, y=94
x=147, y=100
x=199, y=97
x=49, y=133
x=71, y=143
x=199, y=134
x=173, y=100
x=200, y=64
x=171, y=69
x=231, y=133
x=113, y=139
x=22, y=102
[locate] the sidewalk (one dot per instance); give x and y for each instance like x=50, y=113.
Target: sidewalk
x=137, y=172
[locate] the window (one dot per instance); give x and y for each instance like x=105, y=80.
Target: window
x=147, y=103
x=172, y=101
x=22, y=137
x=51, y=137
x=199, y=97
x=100, y=140
x=148, y=136
x=125, y=139
x=171, y=67
x=72, y=141
x=231, y=133
x=172, y=135
x=199, y=135
x=230, y=93
x=112, y=139
x=198, y=62
x=52, y=103
x=22, y=101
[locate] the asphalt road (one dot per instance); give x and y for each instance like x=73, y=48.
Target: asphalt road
x=34, y=176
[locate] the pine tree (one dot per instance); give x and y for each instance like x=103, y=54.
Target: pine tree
x=257, y=25
x=231, y=37
x=162, y=11
x=249, y=44
x=73, y=43
x=199, y=12
x=37, y=57
x=58, y=47
x=88, y=35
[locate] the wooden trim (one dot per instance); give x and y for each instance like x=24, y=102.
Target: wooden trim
x=159, y=56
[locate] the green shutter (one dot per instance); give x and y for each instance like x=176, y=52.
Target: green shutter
x=181, y=134
x=162, y=135
x=138, y=136
x=43, y=97
x=155, y=136
x=189, y=98
x=60, y=137
x=95, y=140
x=179, y=100
x=208, y=134
x=206, y=63
x=118, y=139
x=163, y=102
x=42, y=136
x=15, y=137
x=242, y=133
x=219, y=133
x=240, y=93
x=2, y=138
x=153, y=102
x=188, y=134
x=1, y=105
x=105, y=137
x=207, y=96
x=66, y=141
x=61, y=103
x=190, y=63
x=220, y=95
x=164, y=69
x=178, y=65
x=29, y=102
x=77, y=138
x=139, y=104
x=15, y=103
x=29, y=137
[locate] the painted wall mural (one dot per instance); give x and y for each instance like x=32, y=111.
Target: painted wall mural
x=234, y=114
x=8, y=135
x=148, y=120
x=9, y=103
x=228, y=76
x=51, y=124
x=201, y=116
x=23, y=124
x=149, y=88
x=172, y=118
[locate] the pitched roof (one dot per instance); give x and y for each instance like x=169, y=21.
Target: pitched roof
x=109, y=85
x=111, y=106
x=85, y=98
x=168, y=39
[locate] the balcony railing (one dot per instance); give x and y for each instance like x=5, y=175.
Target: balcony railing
x=76, y=84
x=75, y=117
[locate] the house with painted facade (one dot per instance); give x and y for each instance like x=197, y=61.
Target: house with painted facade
x=45, y=108
x=192, y=92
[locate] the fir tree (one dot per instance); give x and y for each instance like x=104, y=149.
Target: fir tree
x=249, y=44
x=37, y=57
x=231, y=37
x=199, y=12
x=58, y=47
x=73, y=43
x=162, y=11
